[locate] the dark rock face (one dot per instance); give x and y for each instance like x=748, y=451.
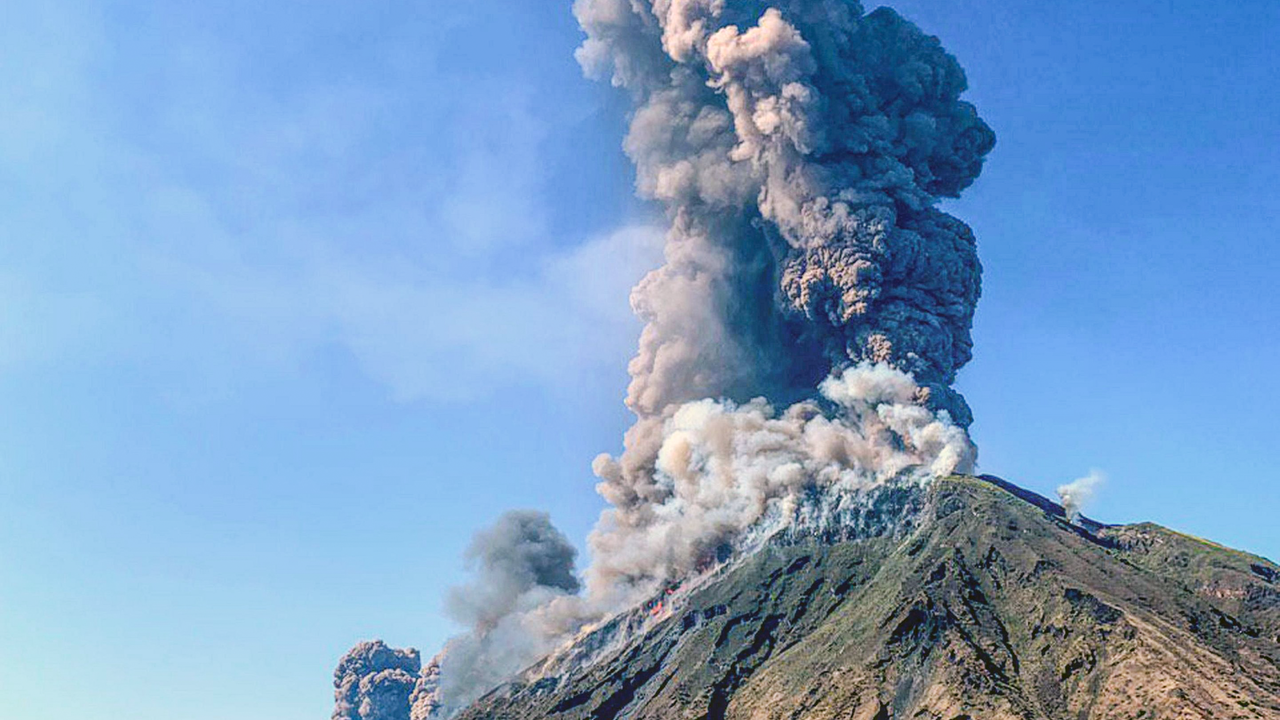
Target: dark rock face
x=992, y=606
x=374, y=682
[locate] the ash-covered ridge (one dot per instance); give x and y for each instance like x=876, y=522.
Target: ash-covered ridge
x=992, y=605
x=376, y=682
x=966, y=597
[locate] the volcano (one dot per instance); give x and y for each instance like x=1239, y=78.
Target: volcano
x=790, y=529
x=981, y=601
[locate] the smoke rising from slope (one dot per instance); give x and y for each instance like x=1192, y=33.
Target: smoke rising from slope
x=522, y=565
x=521, y=555
x=1077, y=494
x=803, y=334
x=727, y=477
x=729, y=474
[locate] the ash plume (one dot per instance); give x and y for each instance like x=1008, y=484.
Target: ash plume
x=803, y=335
x=800, y=148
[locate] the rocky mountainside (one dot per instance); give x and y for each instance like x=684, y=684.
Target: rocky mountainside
x=988, y=605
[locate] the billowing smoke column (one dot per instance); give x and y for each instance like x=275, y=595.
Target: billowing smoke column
x=522, y=560
x=801, y=338
x=799, y=147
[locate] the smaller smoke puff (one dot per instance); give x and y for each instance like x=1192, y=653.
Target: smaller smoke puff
x=374, y=682
x=1077, y=494
x=513, y=609
x=521, y=553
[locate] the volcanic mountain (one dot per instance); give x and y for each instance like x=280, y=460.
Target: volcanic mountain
x=981, y=601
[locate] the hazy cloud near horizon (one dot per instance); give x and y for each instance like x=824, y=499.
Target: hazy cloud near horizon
x=212, y=225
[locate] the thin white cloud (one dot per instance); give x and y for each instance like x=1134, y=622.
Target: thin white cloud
x=221, y=230
x=455, y=337
x=452, y=336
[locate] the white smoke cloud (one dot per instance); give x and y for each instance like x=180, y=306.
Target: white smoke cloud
x=1079, y=493
x=723, y=468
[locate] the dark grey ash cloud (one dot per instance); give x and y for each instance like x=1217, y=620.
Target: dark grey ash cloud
x=800, y=148
x=520, y=554
x=521, y=566
x=373, y=682
x=512, y=608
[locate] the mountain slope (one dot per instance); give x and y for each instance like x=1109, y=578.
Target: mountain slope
x=988, y=604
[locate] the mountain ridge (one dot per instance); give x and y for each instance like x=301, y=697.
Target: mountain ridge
x=991, y=604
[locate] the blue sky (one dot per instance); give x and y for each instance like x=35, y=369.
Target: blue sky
x=295, y=296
